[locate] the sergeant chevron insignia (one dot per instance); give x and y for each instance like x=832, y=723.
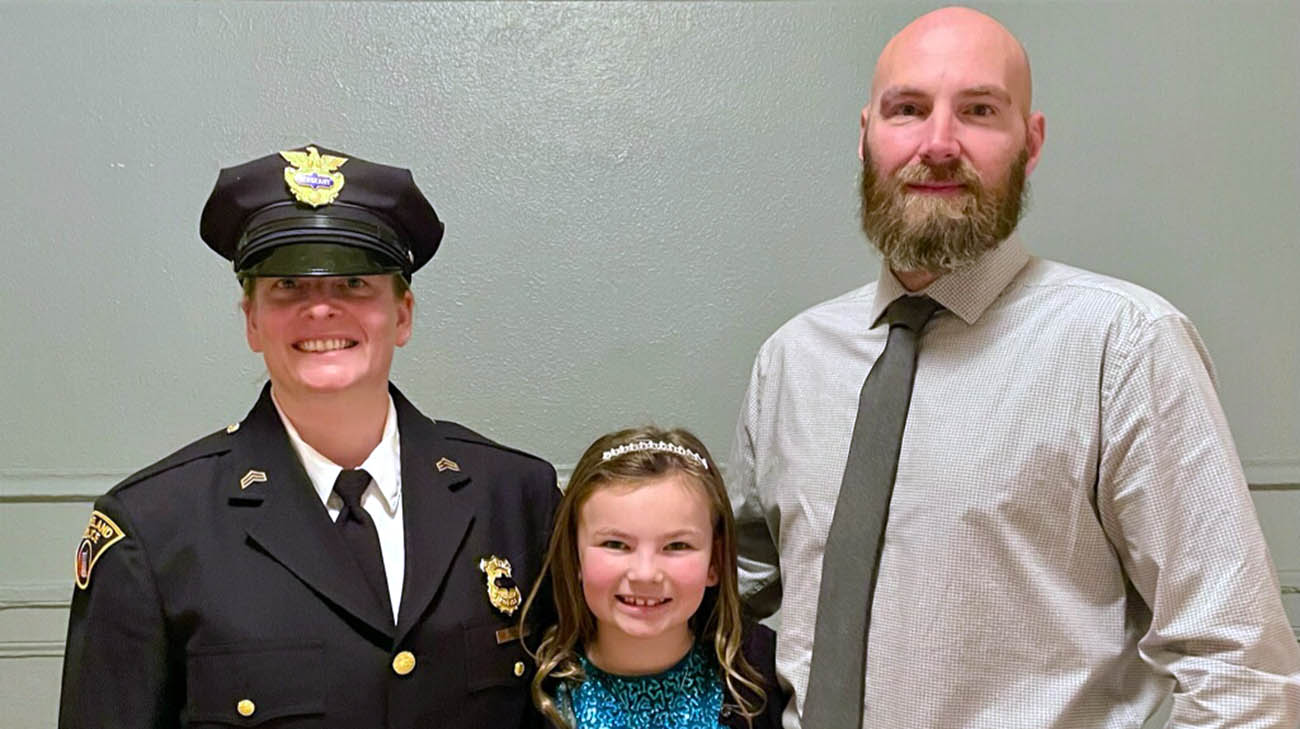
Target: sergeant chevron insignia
x=251, y=478
x=100, y=534
x=446, y=464
x=502, y=591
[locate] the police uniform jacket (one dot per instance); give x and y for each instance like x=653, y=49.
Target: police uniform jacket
x=220, y=593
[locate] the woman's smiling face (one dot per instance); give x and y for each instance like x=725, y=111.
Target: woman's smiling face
x=322, y=334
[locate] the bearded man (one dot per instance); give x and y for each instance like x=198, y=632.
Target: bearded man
x=1030, y=513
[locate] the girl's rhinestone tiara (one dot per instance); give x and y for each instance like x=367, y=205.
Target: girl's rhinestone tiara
x=654, y=445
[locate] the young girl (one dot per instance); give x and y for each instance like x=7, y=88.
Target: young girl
x=642, y=564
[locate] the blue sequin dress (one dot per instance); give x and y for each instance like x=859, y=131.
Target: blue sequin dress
x=686, y=696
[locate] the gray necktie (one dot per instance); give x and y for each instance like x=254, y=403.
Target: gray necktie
x=857, y=533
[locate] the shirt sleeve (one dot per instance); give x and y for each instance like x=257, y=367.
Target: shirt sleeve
x=116, y=668
x=758, y=559
x=1174, y=501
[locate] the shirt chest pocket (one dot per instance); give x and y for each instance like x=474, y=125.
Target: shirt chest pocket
x=248, y=684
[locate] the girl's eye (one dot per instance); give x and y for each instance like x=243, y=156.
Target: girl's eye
x=614, y=544
x=678, y=546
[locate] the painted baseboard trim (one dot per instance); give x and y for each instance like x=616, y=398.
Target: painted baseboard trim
x=43, y=486
x=35, y=485
x=21, y=485
x=57, y=596
x=31, y=649
x=1272, y=473
x=1290, y=580
x=37, y=595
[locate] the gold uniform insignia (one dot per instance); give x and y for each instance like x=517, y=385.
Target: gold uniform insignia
x=251, y=478
x=502, y=591
x=446, y=464
x=311, y=176
x=100, y=534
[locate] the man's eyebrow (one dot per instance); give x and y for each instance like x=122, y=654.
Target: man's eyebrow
x=894, y=93
x=996, y=92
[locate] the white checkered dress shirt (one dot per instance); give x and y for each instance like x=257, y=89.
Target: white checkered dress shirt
x=1070, y=537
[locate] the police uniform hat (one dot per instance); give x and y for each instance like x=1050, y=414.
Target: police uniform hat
x=316, y=212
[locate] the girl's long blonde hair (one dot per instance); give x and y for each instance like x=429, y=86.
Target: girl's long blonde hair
x=716, y=622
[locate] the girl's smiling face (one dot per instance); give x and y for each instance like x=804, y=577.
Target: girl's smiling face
x=646, y=553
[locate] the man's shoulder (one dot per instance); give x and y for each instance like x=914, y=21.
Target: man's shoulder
x=1092, y=291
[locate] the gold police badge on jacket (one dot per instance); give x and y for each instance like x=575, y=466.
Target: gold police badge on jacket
x=502, y=591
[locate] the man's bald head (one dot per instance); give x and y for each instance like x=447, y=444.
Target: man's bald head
x=948, y=140
x=958, y=34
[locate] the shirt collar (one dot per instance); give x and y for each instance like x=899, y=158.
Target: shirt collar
x=382, y=464
x=967, y=292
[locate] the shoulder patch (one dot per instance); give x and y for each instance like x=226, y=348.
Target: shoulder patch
x=100, y=534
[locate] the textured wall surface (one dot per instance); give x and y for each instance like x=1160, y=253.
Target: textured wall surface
x=636, y=195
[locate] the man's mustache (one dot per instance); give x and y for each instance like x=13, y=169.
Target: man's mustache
x=959, y=171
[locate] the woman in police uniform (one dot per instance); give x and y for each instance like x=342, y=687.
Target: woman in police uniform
x=335, y=559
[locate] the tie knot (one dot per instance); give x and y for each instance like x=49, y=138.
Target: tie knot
x=911, y=311
x=349, y=485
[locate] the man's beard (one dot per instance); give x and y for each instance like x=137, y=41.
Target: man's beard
x=936, y=233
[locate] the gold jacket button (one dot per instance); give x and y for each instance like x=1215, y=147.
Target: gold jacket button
x=245, y=707
x=519, y=668
x=403, y=663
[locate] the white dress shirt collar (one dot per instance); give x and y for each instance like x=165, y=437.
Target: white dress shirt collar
x=383, y=463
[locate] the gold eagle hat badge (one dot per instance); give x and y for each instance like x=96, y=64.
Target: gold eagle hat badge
x=311, y=176
x=502, y=591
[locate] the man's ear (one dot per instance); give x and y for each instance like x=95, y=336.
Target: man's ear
x=1035, y=135
x=862, y=133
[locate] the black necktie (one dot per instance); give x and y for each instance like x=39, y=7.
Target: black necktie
x=358, y=530
x=852, y=556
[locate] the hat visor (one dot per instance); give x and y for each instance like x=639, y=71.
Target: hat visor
x=320, y=259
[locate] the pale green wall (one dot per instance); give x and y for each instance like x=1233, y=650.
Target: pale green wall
x=636, y=194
